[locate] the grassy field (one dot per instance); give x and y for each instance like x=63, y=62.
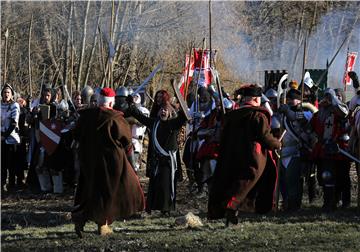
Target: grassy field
x=41, y=223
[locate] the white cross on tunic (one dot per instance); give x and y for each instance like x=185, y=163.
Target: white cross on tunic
x=328, y=129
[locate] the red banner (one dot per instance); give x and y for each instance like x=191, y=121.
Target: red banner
x=204, y=62
x=350, y=63
x=198, y=65
x=185, y=73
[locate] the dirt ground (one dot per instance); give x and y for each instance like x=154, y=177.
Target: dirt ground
x=40, y=222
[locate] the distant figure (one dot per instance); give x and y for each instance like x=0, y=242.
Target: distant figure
x=108, y=187
x=10, y=139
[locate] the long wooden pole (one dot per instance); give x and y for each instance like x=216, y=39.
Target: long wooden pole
x=110, y=76
x=5, y=54
x=346, y=67
x=71, y=63
x=303, y=71
x=187, y=73
x=68, y=37
x=210, y=32
x=198, y=77
x=93, y=47
x=29, y=56
x=82, y=52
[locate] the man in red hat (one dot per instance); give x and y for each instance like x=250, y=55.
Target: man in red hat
x=108, y=187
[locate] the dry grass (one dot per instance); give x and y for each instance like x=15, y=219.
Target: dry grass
x=40, y=223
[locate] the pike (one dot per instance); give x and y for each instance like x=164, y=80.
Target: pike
x=6, y=54
x=152, y=74
x=303, y=71
x=187, y=74
x=29, y=55
x=221, y=97
x=349, y=155
x=280, y=90
x=198, y=77
x=337, y=52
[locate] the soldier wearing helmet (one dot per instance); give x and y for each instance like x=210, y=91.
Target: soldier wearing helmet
x=86, y=94
x=120, y=99
x=327, y=123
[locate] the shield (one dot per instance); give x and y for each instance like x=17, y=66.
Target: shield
x=50, y=134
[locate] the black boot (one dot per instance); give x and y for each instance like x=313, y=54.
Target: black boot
x=231, y=217
x=329, y=199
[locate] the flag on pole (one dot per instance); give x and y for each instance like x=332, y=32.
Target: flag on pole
x=350, y=63
x=195, y=63
x=204, y=62
x=185, y=73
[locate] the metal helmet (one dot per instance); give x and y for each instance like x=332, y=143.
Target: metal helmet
x=137, y=98
x=227, y=103
x=122, y=91
x=326, y=176
x=131, y=91
x=275, y=123
x=271, y=93
x=97, y=90
x=264, y=99
x=86, y=94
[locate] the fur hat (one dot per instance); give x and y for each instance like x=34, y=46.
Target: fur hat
x=251, y=90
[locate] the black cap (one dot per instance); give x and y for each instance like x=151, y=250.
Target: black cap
x=294, y=94
x=251, y=90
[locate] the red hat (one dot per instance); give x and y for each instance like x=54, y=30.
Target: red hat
x=107, y=92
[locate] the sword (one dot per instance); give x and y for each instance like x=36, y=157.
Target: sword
x=181, y=100
x=347, y=154
x=152, y=74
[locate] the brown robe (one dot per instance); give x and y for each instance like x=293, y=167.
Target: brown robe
x=244, y=171
x=108, y=187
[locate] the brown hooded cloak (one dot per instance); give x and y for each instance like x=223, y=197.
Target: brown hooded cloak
x=244, y=171
x=108, y=186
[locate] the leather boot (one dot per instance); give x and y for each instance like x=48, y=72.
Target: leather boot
x=231, y=217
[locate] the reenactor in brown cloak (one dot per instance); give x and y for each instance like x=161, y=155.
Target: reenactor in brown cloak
x=245, y=176
x=108, y=187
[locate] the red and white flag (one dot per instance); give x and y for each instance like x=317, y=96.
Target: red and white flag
x=50, y=135
x=185, y=75
x=202, y=66
x=350, y=63
x=198, y=65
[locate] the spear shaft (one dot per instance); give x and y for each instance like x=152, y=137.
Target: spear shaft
x=29, y=56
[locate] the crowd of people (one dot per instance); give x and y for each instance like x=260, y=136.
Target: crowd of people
x=242, y=152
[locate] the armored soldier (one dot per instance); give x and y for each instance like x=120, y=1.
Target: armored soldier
x=138, y=132
x=86, y=93
x=45, y=123
x=120, y=99
x=328, y=125
x=296, y=143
